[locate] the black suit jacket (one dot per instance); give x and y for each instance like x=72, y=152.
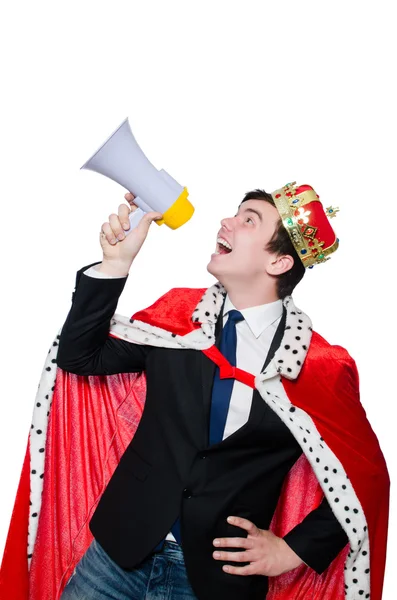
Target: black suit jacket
x=169, y=469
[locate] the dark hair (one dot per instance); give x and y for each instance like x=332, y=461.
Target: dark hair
x=280, y=243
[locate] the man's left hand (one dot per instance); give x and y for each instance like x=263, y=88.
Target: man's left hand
x=267, y=554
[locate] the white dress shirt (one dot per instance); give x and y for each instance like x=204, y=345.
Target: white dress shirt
x=254, y=336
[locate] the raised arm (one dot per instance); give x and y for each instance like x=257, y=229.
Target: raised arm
x=85, y=347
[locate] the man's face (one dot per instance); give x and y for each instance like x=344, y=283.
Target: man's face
x=248, y=233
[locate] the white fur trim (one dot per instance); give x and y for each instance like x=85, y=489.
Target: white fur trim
x=333, y=480
x=287, y=361
x=37, y=440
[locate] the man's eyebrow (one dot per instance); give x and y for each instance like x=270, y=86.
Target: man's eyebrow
x=253, y=211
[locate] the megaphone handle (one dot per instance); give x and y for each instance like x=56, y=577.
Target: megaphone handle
x=134, y=218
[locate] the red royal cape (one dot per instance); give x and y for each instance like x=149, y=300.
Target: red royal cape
x=93, y=419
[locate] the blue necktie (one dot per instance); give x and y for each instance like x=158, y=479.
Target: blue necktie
x=221, y=394
x=222, y=388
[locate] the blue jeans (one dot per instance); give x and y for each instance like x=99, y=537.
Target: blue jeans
x=162, y=576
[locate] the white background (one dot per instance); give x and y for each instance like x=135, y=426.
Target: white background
x=226, y=97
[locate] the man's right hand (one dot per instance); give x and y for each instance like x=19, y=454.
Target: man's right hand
x=120, y=253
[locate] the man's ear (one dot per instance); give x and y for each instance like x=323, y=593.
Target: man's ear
x=280, y=264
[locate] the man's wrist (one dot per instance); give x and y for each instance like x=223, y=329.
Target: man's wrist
x=113, y=268
x=292, y=559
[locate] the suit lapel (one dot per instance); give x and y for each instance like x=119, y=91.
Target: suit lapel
x=276, y=341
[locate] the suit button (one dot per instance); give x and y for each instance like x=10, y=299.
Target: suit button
x=187, y=493
x=203, y=455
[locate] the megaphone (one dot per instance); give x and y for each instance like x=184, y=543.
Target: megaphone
x=120, y=158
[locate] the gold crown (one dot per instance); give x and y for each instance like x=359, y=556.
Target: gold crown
x=304, y=225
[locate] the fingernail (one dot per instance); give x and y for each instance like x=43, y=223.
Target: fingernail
x=121, y=236
x=217, y=554
x=126, y=225
x=216, y=542
x=113, y=241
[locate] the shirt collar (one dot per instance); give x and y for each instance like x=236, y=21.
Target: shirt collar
x=260, y=317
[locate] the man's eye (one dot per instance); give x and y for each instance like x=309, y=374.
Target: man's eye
x=249, y=219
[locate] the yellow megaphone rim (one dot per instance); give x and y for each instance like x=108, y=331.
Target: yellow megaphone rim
x=178, y=213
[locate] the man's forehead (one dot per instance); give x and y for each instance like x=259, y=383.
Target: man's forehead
x=257, y=207
x=252, y=203
x=265, y=211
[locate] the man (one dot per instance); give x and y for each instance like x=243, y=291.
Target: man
x=211, y=465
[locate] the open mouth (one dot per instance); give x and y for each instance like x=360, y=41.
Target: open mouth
x=222, y=246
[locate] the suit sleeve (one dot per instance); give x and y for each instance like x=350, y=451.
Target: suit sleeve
x=319, y=538
x=85, y=347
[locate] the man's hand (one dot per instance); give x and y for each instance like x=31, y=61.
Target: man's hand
x=118, y=247
x=266, y=553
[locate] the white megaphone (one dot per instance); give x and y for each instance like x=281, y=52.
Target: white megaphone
x=120, y=158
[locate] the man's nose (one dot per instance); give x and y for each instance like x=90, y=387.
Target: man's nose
x=227, y=223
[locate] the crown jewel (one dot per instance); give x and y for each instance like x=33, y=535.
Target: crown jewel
x=331, y=211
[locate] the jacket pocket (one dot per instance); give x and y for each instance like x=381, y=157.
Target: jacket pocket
x=136, y=465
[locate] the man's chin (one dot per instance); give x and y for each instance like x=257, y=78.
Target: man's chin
x=216, y=266
x=216, y=273
x=213, y=264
